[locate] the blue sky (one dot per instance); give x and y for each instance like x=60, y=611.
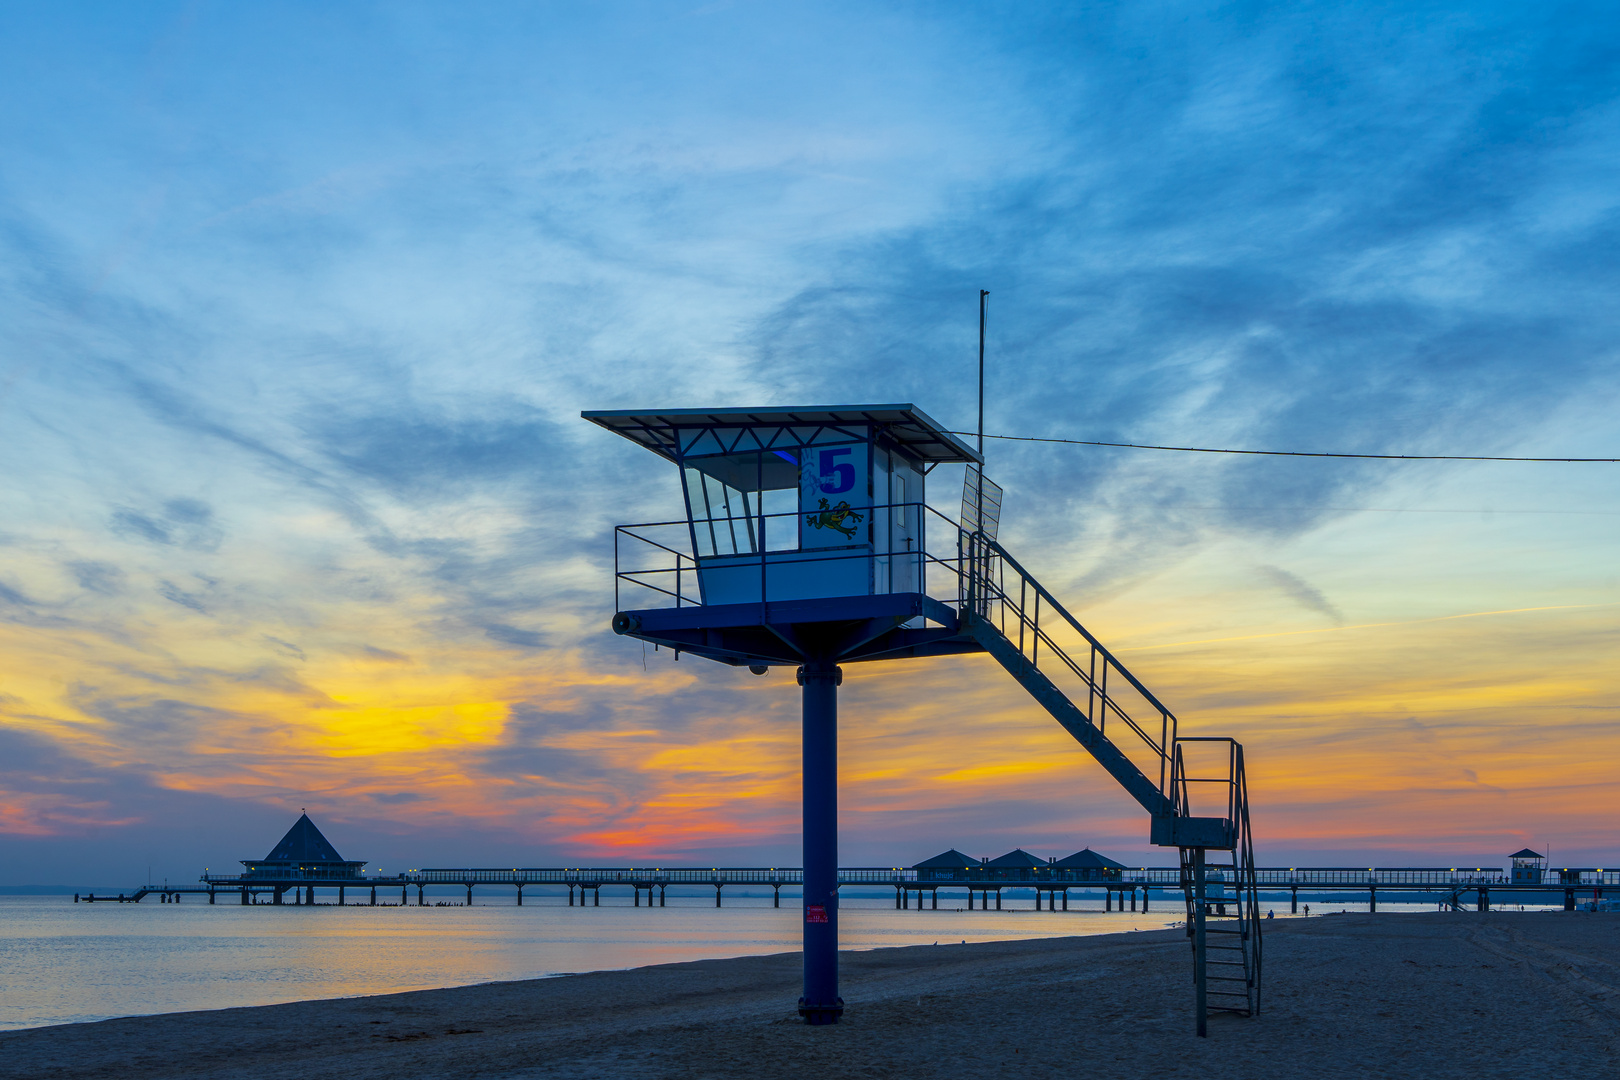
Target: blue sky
x=299, y=305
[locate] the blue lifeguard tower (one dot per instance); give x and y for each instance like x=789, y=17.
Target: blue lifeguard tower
x=809, y=542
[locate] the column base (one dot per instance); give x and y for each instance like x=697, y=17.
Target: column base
x=821, y=1014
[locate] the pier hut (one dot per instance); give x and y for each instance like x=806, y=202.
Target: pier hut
x=303, y=857
x=1087, y=865
x=949, y=865
x=1018, y=865
x=1528, y=867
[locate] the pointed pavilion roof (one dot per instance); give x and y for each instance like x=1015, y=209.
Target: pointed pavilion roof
x=1086, y=859
x=949, y=860
x=304, y=844
x=1018, y=857
x=1526, y=853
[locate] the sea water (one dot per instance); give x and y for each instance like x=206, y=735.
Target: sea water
x=62, y=962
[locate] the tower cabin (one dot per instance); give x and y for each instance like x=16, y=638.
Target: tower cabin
x=1528, y=867
x=303, y=855
x=1087, y=865
x=798, y=507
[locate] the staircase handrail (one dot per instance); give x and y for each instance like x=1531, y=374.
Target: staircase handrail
x=982, y=588
x=1046, y=594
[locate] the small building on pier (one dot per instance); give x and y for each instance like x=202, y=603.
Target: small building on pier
x=1019, y=865
x=1087, y=865
x=950, y=865
x=1528, y=867
x=303, y=854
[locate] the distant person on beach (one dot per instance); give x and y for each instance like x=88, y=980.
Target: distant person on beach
x=1307, y=909
x=1271, y=914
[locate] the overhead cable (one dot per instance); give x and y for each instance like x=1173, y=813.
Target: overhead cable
x=1292, y=453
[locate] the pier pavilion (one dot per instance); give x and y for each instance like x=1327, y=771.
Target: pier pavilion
x=303, y=859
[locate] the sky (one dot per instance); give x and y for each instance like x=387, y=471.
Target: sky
x=300, y=303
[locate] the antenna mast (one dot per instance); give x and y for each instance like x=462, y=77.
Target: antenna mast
x=984, y=303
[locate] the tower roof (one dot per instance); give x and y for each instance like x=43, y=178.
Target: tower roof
x=304, y=844
x=1526, y=853
x=908, y=425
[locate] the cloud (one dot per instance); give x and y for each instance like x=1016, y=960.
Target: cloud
x=186, y=523
x=1301, y=592
x=339, y=421
x=98, y=577
x=511, y=635
x=176, y=595
x=286, y=648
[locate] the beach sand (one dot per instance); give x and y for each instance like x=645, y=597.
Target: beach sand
x=1434, y=995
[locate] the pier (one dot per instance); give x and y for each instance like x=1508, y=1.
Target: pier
x=305, y=861
x=983, y=889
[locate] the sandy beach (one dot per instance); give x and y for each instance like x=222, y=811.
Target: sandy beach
x=1441, y=995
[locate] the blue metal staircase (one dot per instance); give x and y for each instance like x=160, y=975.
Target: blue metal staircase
x=1058, y=661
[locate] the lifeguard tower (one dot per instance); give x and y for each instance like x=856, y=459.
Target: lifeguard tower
x=809, y=542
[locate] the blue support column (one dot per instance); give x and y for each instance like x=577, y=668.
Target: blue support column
x=820, y=1003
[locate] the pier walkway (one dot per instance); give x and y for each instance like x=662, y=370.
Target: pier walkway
x=984, y=887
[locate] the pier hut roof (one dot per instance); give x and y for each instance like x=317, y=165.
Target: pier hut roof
x=1086, y=859
x=1018, y=857
x=304, y=844
x=950, y=860
x=1526, y=853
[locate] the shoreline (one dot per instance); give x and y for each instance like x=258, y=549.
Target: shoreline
x=1448, y=993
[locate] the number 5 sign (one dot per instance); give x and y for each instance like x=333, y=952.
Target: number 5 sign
x=832, y=495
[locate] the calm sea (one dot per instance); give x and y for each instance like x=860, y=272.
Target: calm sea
x=62, y=962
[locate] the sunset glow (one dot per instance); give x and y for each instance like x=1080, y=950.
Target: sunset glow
x=296, y=509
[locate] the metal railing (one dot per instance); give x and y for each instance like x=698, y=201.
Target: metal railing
x=1270, y=877
x=654, y=564
x=1000, y=590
